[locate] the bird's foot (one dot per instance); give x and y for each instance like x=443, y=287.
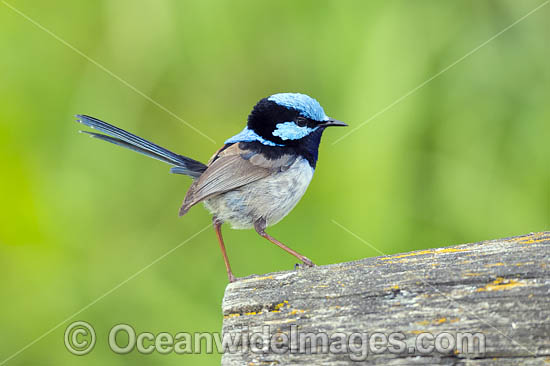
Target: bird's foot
x=306, y=263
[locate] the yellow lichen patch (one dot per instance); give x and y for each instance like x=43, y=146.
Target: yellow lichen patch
x=256, y=279
x=394, y=287
x=263, y=278
x=277, y=308
x=533, y=238
x=432, y=322
x=261, y=363
x=471, y=274
x=296, y=311
x=523, y=263
x=500, y=284
x=416, y=331
x=454, y=320
x=494, y=264
x=422, y=252
x=407, y=255
x=450, y=250
x=319, y=286
x=231, y=315
x=251, y=313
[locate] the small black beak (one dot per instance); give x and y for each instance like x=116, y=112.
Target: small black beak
x=332, y=122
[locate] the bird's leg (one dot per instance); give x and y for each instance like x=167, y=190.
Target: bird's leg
x=218, y=228
x=260, y=225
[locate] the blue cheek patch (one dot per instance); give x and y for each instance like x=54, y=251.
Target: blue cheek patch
x=248, y=135
x=306, y=105
x=291, y=131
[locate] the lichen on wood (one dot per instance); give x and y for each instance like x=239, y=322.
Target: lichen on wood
x=499, y=289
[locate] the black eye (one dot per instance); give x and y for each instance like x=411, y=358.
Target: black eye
x=301, y=121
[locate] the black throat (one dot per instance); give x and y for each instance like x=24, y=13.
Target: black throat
x=307, y=147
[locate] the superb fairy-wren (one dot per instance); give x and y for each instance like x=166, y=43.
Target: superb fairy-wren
x=258, y=175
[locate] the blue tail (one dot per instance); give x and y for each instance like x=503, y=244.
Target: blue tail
x=117, y=136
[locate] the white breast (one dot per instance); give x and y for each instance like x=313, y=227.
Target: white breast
x=271, y=198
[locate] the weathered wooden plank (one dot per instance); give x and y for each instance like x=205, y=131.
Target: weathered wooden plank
x=497, y=291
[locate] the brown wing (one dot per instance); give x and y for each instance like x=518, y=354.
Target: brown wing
x=231, y=168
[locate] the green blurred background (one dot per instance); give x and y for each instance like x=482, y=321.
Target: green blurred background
x=464, y=158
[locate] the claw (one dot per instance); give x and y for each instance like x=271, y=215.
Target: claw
x=306, y=262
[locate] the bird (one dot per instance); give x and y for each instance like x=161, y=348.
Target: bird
x=257, y=177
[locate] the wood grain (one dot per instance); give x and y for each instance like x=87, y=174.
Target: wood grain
x=499, y=289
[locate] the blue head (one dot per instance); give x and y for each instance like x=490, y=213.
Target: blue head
x=286, y=119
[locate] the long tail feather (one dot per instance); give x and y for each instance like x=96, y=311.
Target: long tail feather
x=130, y=141
x=122, y=143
